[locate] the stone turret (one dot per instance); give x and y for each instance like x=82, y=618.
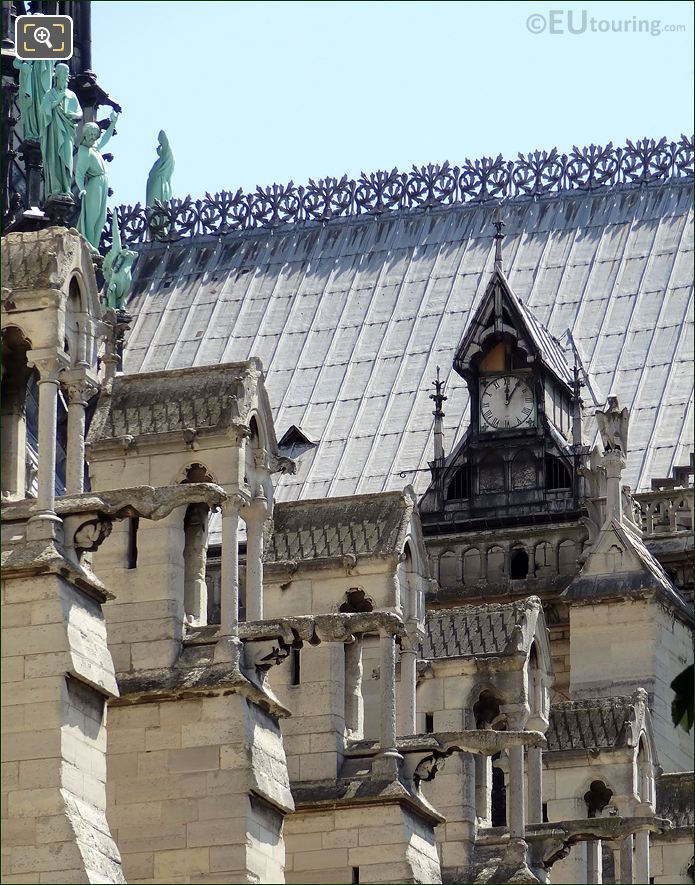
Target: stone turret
x=58, y=673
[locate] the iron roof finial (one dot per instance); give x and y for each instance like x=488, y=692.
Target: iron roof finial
x=499, y=236
x=439, y=400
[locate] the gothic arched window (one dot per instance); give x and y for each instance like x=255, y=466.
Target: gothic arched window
x=461, y=486
x=449, y=569
x=495, y=564
x=524, y=471
x=567, y=557
x=491, y=475
x=518, y=565
x=544, y=558
x=557, y=476
x=472, y=566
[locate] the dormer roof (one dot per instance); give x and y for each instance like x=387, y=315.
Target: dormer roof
x=501, y=311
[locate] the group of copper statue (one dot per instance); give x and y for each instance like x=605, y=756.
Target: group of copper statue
x=51, y=115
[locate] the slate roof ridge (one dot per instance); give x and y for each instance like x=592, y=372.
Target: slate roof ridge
x=598, y=702
x=487, y=608
x=126, y=377
x=652, y=565
x=475, y=630
x=674, y=797
x=599, y=722
x=343, y=500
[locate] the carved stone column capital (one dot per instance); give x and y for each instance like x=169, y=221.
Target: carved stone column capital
x=233, y=505
x=48, y=363
x=79, y=388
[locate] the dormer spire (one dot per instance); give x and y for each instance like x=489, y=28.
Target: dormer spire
x=499, y=236
x=439, y=399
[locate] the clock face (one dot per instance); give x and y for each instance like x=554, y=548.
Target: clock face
x=506, y=403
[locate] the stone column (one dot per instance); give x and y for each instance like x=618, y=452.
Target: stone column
x=110, y=361
x=516, y=803
x=14, y=433
x=517, y=811
x=386, y=764
x=255, y=516
x=531, y=553
x=354, y=701
x=49, y=368
x=626, y=866
x=79, y=389
x=534, y=756
x=642, y=872
x=195, y=591
x=229, y=579
x=388, y=693
x=483, y=789
x=408, y=705
x=507, y=568
x=614, y=464
x=594, y=862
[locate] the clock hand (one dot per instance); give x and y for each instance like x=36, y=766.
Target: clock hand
x=506, y=391
x=513, y=390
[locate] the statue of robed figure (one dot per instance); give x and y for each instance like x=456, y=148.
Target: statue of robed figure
x=118, y=269
x=159, y=179
x=60, y=113
x=35, y=79
x=91, y=179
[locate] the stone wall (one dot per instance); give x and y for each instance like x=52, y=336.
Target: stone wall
x=319, y=591
x=197, y=790
x=378, y=843
x=314, y=735
x=56, y=674
x=618, y=647
x=145, y=621
x=671, y=858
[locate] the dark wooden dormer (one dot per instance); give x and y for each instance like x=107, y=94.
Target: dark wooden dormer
x=516, y=461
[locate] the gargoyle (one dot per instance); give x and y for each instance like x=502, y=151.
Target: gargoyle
x=91, y=534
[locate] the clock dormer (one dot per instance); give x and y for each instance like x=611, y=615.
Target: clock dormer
x=517, y=458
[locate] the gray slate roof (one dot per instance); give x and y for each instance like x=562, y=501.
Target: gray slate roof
x=594, y=723
x=553, y=352
x=158, y=402
x=362, y=525
x=587, y=588
x=674, y=798
x=472, y=630
x=351, y=318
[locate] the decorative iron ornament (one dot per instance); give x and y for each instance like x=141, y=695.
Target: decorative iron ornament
x=529, y=176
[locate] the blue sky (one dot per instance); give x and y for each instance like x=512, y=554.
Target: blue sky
x=256, y=92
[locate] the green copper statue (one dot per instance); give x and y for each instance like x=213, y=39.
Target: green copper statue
x=60, y=112
x=35, y=78
x=118, y=269
x=159, y=179
x=90, y=178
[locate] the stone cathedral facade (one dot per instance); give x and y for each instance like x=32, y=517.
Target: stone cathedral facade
x=358, y=547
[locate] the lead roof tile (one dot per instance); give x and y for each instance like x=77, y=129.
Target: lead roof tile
x=315, y=297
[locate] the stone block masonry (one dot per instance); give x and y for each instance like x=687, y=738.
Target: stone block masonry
x=197, y=790
x=56, y=676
